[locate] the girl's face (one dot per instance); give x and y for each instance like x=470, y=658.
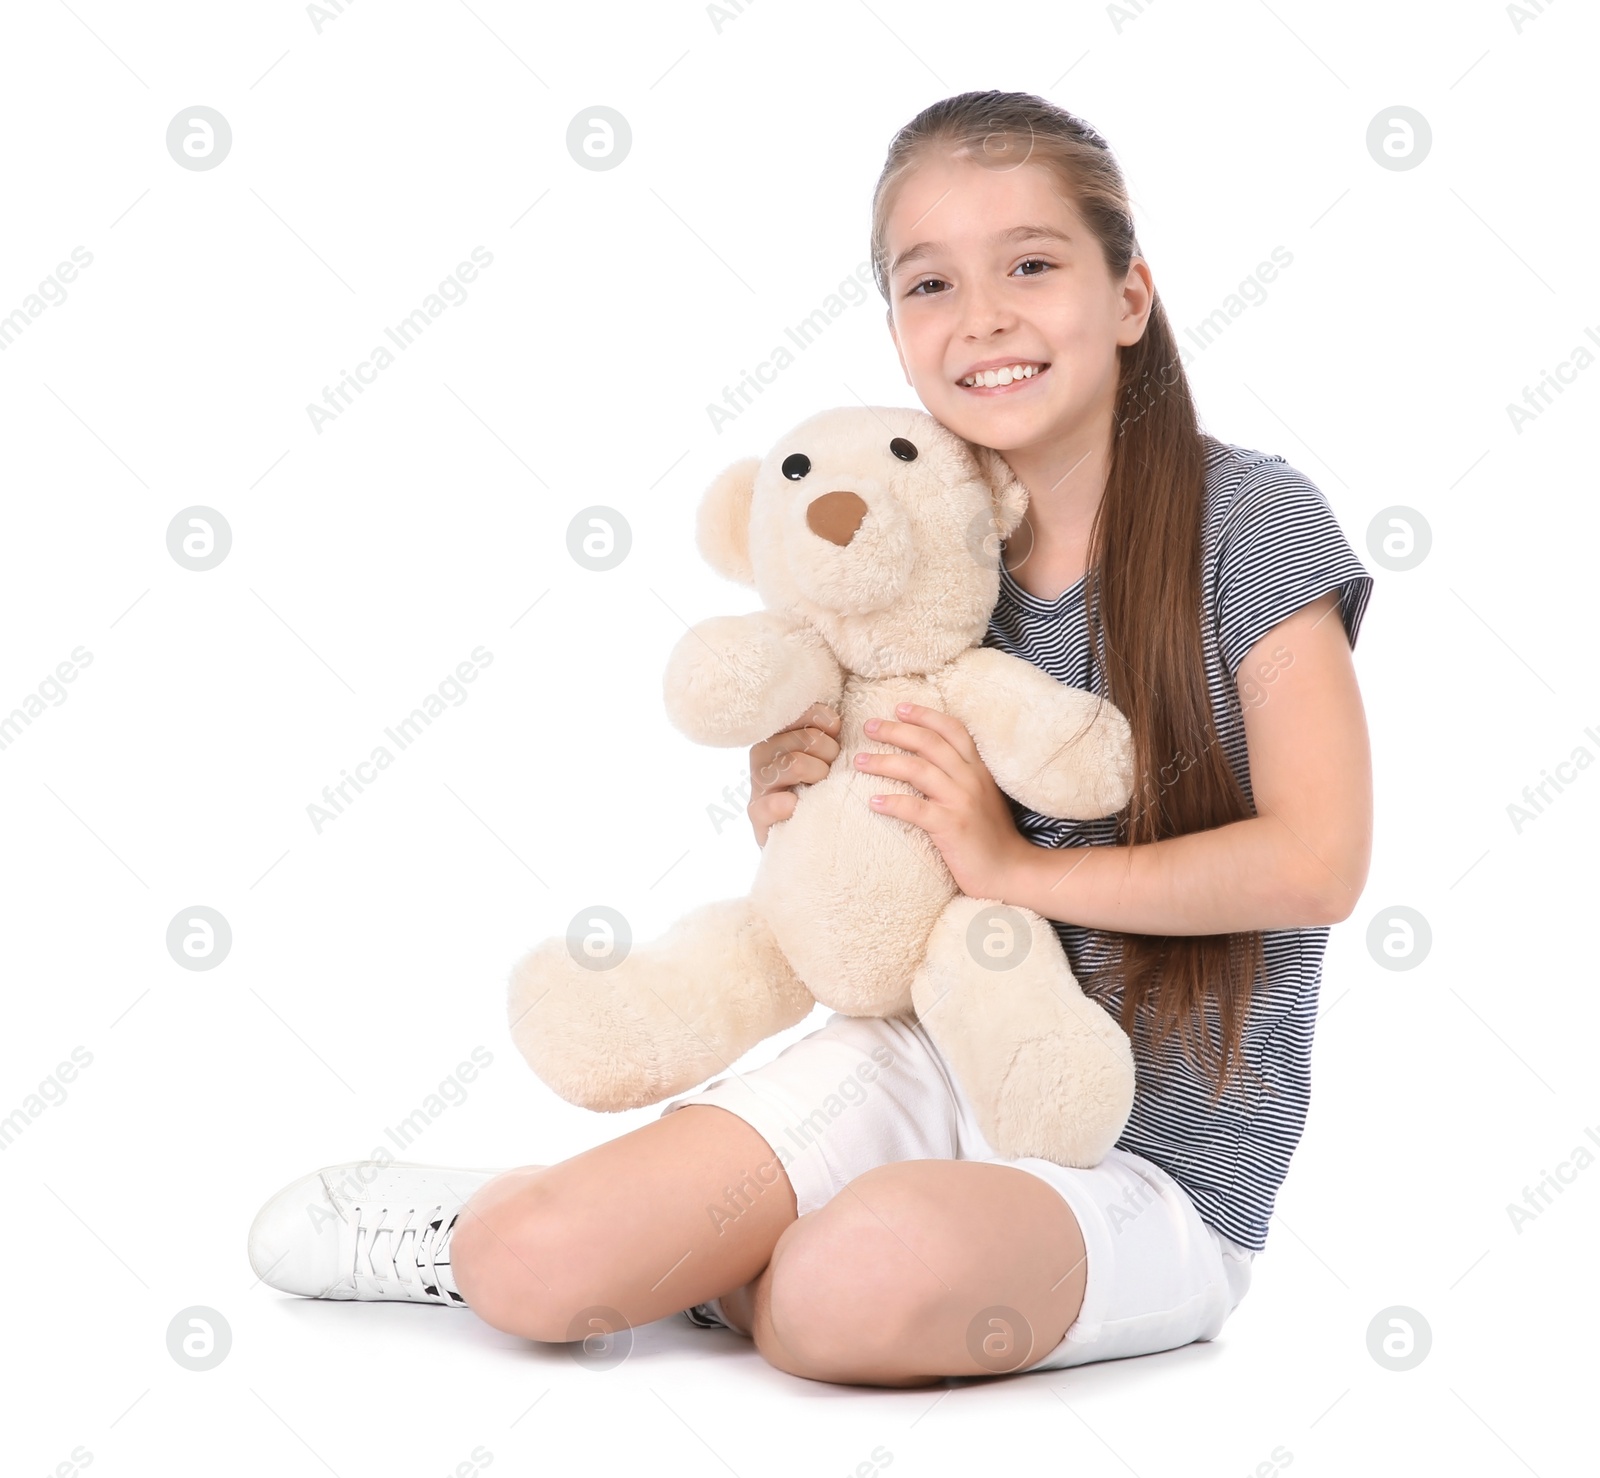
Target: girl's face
x=991, y=269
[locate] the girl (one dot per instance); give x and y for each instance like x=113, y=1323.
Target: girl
x=1189, y=581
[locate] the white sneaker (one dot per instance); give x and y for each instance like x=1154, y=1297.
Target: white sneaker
x=707, y=1315
x=365, y=1231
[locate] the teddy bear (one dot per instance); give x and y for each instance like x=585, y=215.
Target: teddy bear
x=872, y=536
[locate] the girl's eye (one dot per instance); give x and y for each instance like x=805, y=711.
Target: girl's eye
x=940, y=285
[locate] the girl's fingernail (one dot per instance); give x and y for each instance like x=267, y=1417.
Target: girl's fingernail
x=902, y=708
x=861, y=761
x=871, y=726
x=877, y=802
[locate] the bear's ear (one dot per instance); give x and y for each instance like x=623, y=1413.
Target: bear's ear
x=1009, y=495
x=722, y=529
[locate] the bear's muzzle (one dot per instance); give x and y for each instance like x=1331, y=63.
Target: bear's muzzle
x=836, y=517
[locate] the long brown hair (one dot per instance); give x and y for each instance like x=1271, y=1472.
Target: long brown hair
x=1144, y=569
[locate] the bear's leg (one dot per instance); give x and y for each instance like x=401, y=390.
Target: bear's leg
x=668, y=1015
x=1048, y=1072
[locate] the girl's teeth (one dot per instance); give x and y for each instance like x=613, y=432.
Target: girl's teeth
x=1003, y=376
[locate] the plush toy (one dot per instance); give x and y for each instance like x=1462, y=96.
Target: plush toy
x=873, y=538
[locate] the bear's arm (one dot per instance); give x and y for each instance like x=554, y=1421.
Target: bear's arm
x=734, y=680
x=1060, y=751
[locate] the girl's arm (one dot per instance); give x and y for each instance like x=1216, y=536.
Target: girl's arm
x=1300, y=861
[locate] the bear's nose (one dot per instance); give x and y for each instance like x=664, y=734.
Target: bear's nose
x=836, y=517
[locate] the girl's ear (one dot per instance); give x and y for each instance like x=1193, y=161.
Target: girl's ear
x=722, y=528
x=1009, y=495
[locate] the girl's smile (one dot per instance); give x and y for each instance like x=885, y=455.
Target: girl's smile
x=1002, y=376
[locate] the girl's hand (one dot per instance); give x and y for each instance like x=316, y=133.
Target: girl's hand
x=960, y=807
x=798, y=755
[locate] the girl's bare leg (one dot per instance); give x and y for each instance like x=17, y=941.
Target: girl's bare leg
x=674, y=1213
x=918, y=1270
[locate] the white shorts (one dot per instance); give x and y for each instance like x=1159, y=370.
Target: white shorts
x=1157, y=1276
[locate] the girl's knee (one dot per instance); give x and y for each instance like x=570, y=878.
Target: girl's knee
x=844, y=1300
x=521, y=1261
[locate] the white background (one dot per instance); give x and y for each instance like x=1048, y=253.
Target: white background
x=372, y=557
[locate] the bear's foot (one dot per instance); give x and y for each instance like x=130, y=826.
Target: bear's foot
x=1048, y=1072
x=667, y=1015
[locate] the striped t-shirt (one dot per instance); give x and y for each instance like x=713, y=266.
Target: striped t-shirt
x=1271, y=545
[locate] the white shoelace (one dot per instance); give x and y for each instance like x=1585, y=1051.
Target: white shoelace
x=408, y=1258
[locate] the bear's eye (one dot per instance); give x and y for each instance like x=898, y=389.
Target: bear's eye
x=797, y=464
x=903, y=449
